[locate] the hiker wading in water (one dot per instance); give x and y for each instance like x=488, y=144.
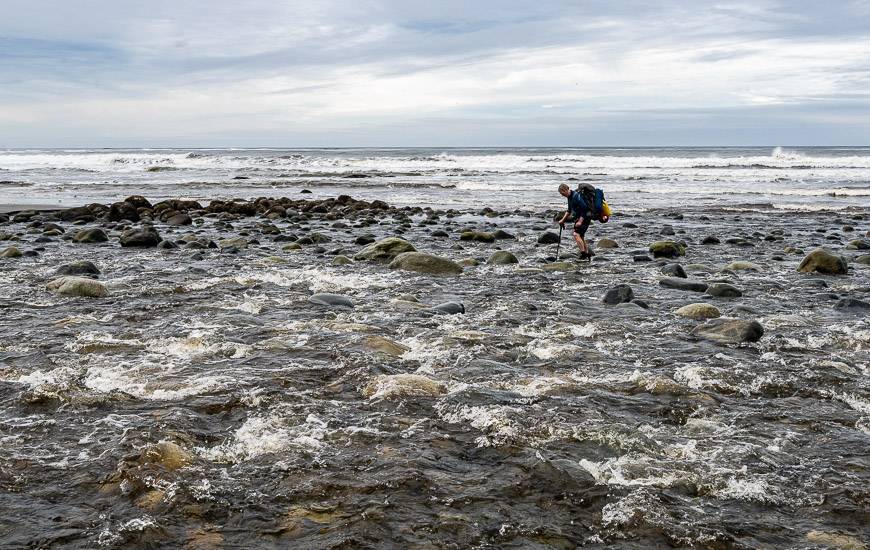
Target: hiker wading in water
x=580, y=214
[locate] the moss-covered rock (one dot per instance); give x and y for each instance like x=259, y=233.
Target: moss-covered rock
x=822, y=261
x=385, y=250
x=667, y=249
x=428, y=264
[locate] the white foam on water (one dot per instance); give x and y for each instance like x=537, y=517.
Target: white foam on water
x=59, y=378
x=542, y=385
x=430, y=352
x=313, y=278
x=196, y=345
x=494, y=420
x=701, y=377
x=401, y=385
x=746, y=489
x=631, y=470
x=551, y=349
x=862, y=405
x=259, y=436
x=151, y=381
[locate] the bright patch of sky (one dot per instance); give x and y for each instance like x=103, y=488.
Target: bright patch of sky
x=452, y=73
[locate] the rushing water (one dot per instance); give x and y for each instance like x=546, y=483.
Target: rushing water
x=205, y=403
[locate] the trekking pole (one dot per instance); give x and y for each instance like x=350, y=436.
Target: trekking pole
x=559, y=244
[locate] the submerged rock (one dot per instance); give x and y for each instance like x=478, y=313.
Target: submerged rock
x=78, y=286
x=448, y=308
x=730, y=331
x=385, y=346
x=167, y=454
x=743, y=266
x=385, y=250
x=699, y=311
x=386, y=386
x=425, y=263
x=558, y=266
x=822, y=261
x=852, y=303
x=331, y=300
x=234, y=242
x=502, y=257
x=684, y=284
x=618, y=295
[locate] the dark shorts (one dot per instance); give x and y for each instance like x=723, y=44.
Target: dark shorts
x=581, y=225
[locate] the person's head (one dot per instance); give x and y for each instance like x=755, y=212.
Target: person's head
x=564, y=190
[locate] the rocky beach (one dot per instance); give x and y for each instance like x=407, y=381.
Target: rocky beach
x=333, y=372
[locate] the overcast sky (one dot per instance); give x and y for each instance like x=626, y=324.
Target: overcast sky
x=112, y=73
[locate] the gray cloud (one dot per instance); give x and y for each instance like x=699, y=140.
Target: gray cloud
x=95, y=72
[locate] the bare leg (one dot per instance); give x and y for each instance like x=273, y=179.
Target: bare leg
x=581, y=244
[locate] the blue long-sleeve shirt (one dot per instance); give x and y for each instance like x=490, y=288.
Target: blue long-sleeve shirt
x=577, y=206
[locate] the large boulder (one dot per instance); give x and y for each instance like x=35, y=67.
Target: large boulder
x=729, y=331
x=822, y=261
x=123, y=211
x=385, y=250
x=425, y=263
x=477, y=236
x=699, y=311
x=11, y=252
x=724, y=290
x=88, y=236
x=78, y=286
x=138, y=201
x=81, y=267
x=548, y=237
x=859, y=244
x=684, y=284
x=179, y=219
x=618, y=295
x=502, y=257
x=141, y=237
x=674, y=270
x=667, y=249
